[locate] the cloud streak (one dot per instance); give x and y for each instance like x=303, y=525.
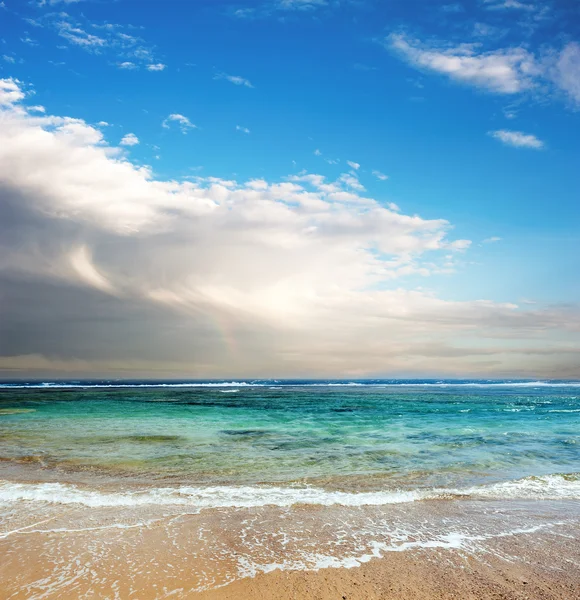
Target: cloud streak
x=235, y=79
x=518, y=139
x=181, y=120
x=509, y=71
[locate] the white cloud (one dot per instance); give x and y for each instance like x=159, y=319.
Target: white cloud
x=351, y=181
x=317, y=152
x=242, y=129
x=506, y=71
x=8, y=59
x=10, y=91
x=156, y=67
x=303, y=276
x=503, y=71
x=380, y=175
x=126, y=50
x=129, y=140
x=301, y=4
x=565, y=72
x=184, y=123
x=517, y=139
x=491, y=240
x=235, y=79
x=353, y=165
x=55, y=2
x=28, y=40
x=78, y=36
x=507, y=4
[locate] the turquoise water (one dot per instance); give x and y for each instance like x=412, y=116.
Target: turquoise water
x=352, y=437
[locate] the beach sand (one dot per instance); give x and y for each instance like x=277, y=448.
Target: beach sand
x=194, y=556
x=416, y=576
x=399, y=576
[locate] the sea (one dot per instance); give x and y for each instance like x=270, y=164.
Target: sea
x=251, y=476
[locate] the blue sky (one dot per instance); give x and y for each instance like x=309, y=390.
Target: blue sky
x=466, y=112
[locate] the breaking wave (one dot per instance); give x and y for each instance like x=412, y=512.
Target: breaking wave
x=550, y=487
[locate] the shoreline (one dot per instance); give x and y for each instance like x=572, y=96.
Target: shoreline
x=426, y=550
x=330, y=494
x=523, y=567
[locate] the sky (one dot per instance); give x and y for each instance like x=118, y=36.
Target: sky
x=289, y=188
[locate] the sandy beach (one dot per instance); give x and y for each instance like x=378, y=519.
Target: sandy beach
x=419, y=576
x=544, y=571
x=528, y=551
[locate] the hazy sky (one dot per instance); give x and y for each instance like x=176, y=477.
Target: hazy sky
x=332, y=188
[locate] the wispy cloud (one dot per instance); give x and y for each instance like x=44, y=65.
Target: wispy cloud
x=55, y=2
x=508, y=4
x=506, y=71
x=242, y=129
x=300, y=4
x=353, y=165
x=514, y=70
x=113, y=40
x=129, y=140
x=565, y=71
x=235, y=79
x=156, y=67
x=127, y=65
x=380, y=175
x=352, y=182
x=491, y=240
x=78, y=36
x=26, y=39
x=184, y=123
x=517, y=139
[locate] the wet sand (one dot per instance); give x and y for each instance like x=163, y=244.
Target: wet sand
x=416, y=575
x=77, y=553
x=422, y=575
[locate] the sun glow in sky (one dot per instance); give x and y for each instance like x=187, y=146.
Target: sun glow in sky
x=333, y=188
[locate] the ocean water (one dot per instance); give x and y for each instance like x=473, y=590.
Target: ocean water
x=244, y=477
x=340, y=436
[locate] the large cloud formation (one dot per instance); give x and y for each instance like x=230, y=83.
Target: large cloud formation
x=106, y=270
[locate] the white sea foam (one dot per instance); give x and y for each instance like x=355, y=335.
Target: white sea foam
x=290, y=384
x=199, y=497
x=65, y=385
x=550, y=487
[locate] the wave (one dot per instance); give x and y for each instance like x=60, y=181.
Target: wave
x=292, y=383
x=549, y=487
x=64, y=385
